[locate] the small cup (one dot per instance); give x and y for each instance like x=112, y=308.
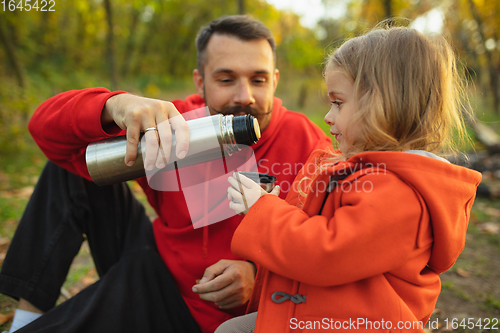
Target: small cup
x=265, y=181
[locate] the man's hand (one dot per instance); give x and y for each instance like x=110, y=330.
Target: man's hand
x=228, y=283
x=135, y=114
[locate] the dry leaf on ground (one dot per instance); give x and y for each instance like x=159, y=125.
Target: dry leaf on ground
x=25, y=192
x=90, y=278
x=490, y=228
x=4, y=241
x=22, y=193
x=463, y=273
x=4, y=245
x=437, y=311
x=494, y=212
x=6, y=317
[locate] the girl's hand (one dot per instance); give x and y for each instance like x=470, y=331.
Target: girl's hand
x=244, y=193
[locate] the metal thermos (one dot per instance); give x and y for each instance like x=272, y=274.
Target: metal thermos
x=210, y=138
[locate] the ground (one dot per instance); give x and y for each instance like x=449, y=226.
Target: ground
x=470, y=289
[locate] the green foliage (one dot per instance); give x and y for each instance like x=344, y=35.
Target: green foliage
x=450, y=286
x=154, y=43
x=492, y=303
x=19, y=170
x=152, y=37
x=14, y=112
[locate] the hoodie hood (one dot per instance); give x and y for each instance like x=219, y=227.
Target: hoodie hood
x=448, y=191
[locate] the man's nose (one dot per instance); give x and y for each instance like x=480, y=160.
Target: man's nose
x=244, y=94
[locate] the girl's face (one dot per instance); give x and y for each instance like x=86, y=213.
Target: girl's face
x=340, y=91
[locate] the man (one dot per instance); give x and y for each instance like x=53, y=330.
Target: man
x=148, y=275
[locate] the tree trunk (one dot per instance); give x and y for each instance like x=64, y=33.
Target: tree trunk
x=63, y=40
x=302, y=96
x=178, y=59
x=129, y=49
x=489, y=57
x=150, y=28
x=388, y=9
x=241, y=7
x=464, y=42
x=11, y=54
x=47, y=49
x=80, y=37
x=110, y=46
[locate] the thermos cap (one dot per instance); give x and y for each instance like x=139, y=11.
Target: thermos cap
x=246, y=130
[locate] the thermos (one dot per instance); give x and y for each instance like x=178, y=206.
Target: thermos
x=210, y=138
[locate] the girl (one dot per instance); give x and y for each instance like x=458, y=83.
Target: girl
x=360, y=241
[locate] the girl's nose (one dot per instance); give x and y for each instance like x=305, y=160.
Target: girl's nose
x=329, y=118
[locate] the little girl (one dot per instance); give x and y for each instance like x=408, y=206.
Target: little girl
x=360, y=241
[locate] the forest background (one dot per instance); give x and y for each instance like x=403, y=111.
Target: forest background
x=147, y=48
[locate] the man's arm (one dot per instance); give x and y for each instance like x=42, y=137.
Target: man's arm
x=65, y=124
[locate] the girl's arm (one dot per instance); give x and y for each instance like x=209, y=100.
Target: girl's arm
x=371, y=233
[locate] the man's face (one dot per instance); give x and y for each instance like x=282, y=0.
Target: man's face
x=239, y=78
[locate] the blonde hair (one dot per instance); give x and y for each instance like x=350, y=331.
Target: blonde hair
x=407, y=89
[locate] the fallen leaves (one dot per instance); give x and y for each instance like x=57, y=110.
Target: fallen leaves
x=22, y=193
x=491, y=228
x=437, y=311
x=4, y=245
x=494, y=212
x=6, y=317
x=90, y=278
x=463, y=273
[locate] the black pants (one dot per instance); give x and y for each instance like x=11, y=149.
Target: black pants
x=135, y=293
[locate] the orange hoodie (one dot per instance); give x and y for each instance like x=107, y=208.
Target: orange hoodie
x=367, y=256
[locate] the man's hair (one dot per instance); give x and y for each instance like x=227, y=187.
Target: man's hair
x=239, y=26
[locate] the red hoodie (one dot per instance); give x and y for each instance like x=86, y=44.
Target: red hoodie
x=64, y=125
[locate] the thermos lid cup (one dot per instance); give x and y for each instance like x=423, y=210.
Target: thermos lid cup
x=259, y=178
x=266, y=181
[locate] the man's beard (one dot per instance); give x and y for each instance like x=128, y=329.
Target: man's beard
x=238, y=109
